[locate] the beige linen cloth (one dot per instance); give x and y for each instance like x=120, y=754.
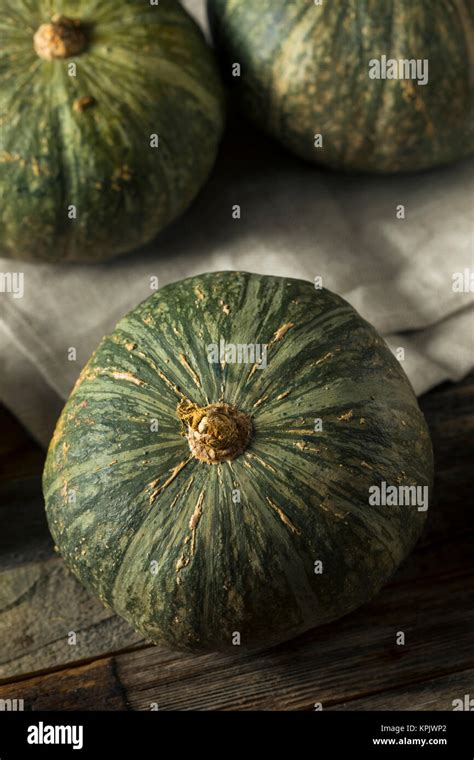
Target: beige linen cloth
x=297, y=221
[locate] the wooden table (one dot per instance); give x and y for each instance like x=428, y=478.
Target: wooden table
x=351, y=664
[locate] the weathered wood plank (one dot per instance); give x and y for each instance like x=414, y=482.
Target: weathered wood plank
x=94, y=686
x=355, y=659
x=434, y=694
x=41, y=603
x=47, y=619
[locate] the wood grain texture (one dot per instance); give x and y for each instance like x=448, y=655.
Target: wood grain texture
x=40, y=601
x=89, y=687
x=433, y=694
x=353, y=664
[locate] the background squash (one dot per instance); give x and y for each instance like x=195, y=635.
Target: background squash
x=305, y=72
x=196, y=497
x=110, y=113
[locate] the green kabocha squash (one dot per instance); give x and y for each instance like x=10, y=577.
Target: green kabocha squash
x=210, y=475
x=110, y=116
x=356, y=85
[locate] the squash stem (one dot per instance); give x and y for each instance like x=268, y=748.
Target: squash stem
x=61, y=38
x=217, y=432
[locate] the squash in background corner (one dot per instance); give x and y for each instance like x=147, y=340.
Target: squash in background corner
x=306, y=68
x=111, y=114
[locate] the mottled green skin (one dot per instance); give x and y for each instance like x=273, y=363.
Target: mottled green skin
x=304, y=494
x=150, y=72
x=305, y=71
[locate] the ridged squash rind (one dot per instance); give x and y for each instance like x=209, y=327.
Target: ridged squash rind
x=192, y=553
